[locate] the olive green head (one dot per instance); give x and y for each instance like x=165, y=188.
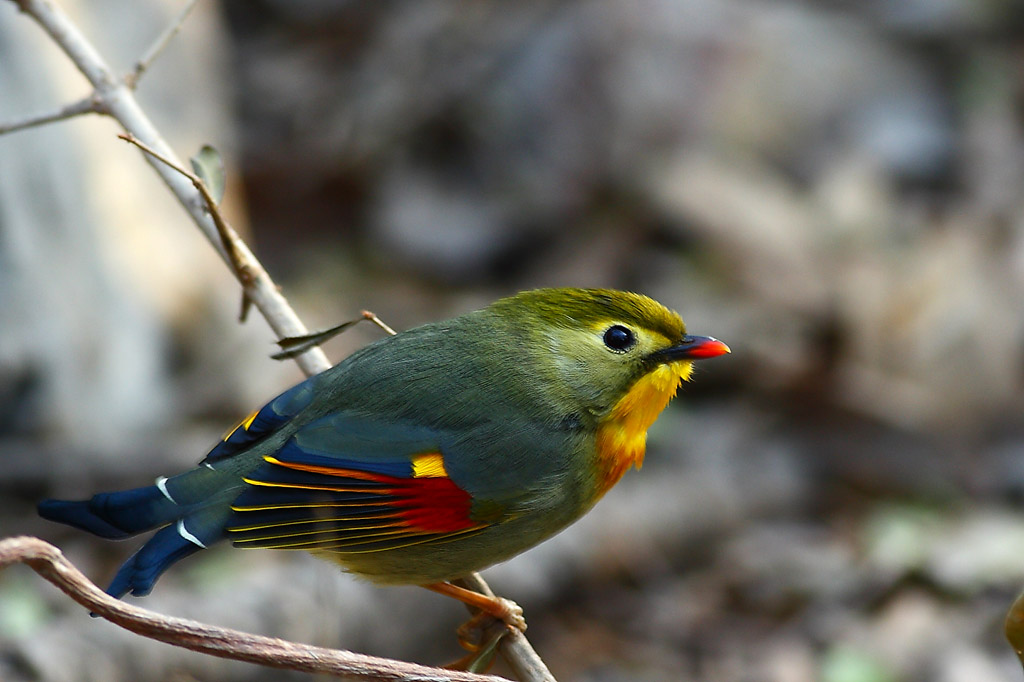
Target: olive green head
x=592, y=346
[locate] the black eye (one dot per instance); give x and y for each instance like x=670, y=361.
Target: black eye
x=619, y=338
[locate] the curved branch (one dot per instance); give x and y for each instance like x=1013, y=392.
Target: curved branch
x=50, y=563
x=87, y=105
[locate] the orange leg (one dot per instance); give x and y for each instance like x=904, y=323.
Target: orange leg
x=504, y=610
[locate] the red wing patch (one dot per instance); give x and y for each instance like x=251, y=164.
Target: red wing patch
x=314, y=505
x=436, y=505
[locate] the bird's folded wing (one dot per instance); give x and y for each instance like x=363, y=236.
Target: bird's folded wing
x=263, y=422
x=302, y=498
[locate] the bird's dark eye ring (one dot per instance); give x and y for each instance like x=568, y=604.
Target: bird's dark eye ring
x=619, y=338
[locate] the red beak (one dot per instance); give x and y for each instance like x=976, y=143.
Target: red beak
x=692, y=348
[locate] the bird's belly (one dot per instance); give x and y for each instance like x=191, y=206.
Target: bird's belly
x=534, y=513
x=452, y=557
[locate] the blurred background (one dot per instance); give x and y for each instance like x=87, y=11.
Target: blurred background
x=833, y=188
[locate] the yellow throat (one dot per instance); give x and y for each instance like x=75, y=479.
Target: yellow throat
x=622, y=437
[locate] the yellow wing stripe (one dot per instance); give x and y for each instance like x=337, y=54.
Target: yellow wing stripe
x=298, y=505
x=324, y=519
x=381, y=529
x=355, y=539
x=244, y=425
x=429, y=465
x=326, y=488
x=448, y=537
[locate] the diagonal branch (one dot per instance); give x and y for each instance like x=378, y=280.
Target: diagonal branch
x=87, y=105
x=150, y=55
x=229, y=239
x=518, y=653
x=50, y=563
x=119, y=102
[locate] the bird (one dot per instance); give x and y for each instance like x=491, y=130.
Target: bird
x=427, y=455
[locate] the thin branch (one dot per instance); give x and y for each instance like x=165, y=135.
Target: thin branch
x=229, y=239
x=379, y=322
x=119, y=101
x=526, y=664
x=295, y=345
x=87, y=105
x=150, y=55
x=50, y=563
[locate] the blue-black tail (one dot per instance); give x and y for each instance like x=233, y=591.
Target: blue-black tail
x=192, y=509
x=115, y=515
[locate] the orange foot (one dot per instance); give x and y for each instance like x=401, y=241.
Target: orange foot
x=504, y=610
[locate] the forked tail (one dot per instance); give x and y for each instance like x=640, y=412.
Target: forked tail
x=191, y=508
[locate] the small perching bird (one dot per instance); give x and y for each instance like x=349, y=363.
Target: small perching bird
x=426, y=455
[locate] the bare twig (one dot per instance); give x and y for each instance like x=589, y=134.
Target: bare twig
x=87, y=105
x=230, y=241
x=118, y=100
x=50, y=563
x=379, y=322
x=150, y=55
x=295, y=345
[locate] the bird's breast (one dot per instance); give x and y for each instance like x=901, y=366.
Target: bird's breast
x=622, y=435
